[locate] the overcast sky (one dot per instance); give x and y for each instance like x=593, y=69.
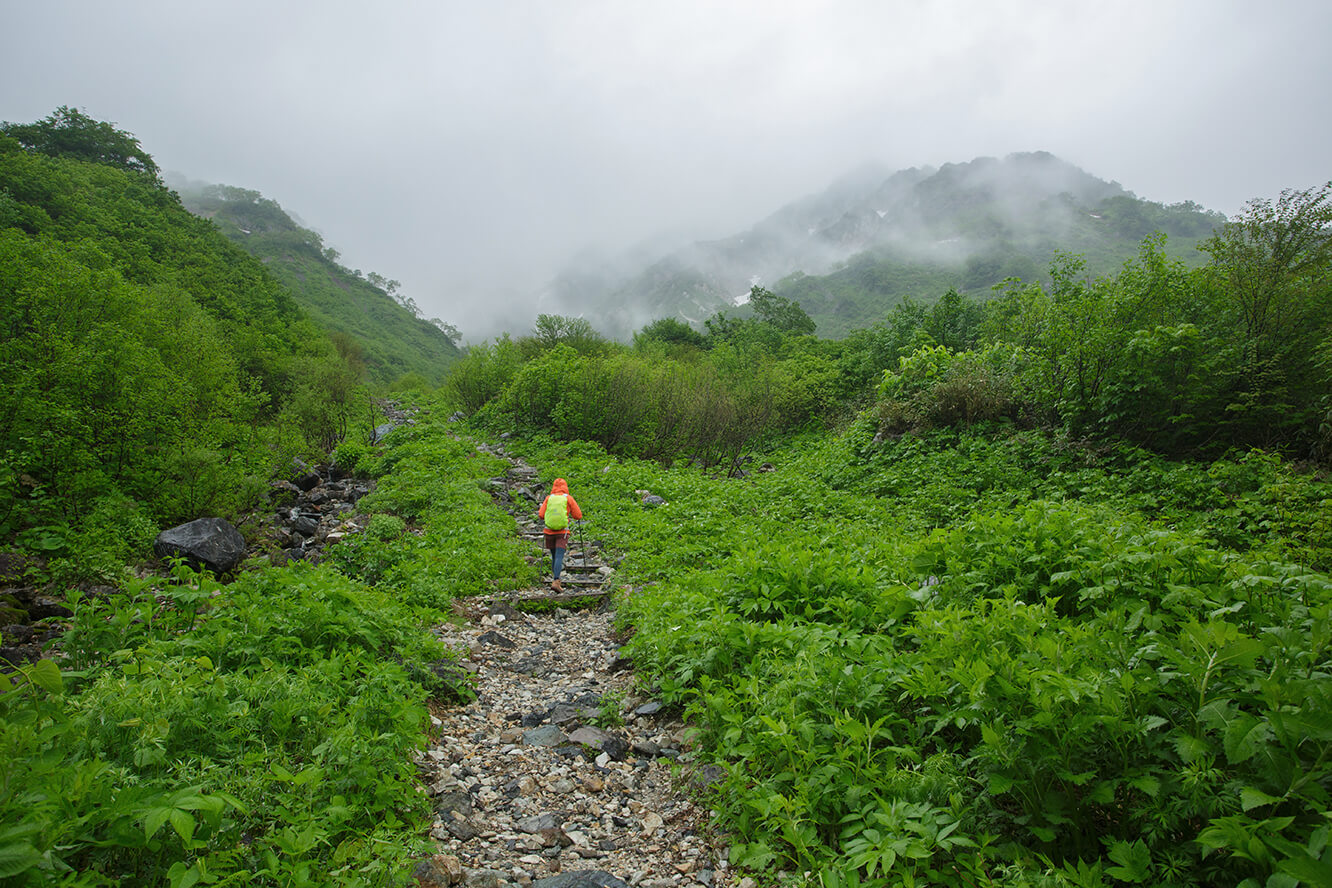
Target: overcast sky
x=469, y=149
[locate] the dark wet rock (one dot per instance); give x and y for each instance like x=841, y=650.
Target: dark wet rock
x=546, y=735
x=44, y=607
x=453, y=800
x=211, y=543
x=461, y=830
x=308, y=479
x=19, y=633
x=506, y=610
x=493, y=637
x=19, y=654
x=648, y=708
x=305, y=526
x=439, y=871
x=538, y=822
x=615, y=747
x=563, y=713
x=648, y=748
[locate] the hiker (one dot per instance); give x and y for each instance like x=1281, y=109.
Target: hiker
x=557, y=509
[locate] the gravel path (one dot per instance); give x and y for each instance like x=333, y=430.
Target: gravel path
x=557, y=776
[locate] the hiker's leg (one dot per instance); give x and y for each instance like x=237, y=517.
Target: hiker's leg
x=557, y=557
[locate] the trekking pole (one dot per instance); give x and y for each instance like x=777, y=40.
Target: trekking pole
x=582, y=541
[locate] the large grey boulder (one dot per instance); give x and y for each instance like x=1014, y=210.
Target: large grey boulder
x=210, y=543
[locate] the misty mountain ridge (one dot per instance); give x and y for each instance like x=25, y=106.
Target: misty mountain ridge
x=395, y=340
x=888, y=234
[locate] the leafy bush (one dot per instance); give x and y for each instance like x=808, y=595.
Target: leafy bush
x=934, y=386
x=460, y=545
x=261, y=732
x=1054, y=693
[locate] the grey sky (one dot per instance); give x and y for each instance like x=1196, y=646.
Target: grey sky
x=469, y=149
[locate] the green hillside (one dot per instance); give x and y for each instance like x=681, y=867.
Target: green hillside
x=154, y=371
x=393, y=339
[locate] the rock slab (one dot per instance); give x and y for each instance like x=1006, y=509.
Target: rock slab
x=211, y=543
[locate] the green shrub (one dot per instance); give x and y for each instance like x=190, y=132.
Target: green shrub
x=934, y=387
x=261, y=732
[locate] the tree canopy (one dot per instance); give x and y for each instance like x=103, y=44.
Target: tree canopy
x=69, y=132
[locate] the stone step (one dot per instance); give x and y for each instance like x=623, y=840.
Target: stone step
x=580, y=582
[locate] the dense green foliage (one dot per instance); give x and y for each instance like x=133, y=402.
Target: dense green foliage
x=257, y=734
x=153, y=371
x=435, y=534
x=1180, y=360
x=71, y=133
x=969, y=659
x=385, y=330
x=262, y=732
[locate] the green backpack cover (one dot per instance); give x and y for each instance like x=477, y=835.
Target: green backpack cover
x=557, y=511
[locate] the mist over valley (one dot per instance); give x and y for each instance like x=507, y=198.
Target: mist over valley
x=852, y=251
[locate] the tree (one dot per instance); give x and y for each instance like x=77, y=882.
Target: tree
x=1270, y=266
x=453, y=334
x=552, y=330
x=670, y=330
x=784, y=314
x=1273, y=260
x=954, y=320
x=71, y=133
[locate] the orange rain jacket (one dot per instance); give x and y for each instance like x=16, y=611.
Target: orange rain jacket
x=560, y=487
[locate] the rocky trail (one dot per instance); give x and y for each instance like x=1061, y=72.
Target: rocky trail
x=557, y=775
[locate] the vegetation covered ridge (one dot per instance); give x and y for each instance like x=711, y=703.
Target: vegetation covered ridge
x=383, y=326
x=847, y=256
x=154, y=372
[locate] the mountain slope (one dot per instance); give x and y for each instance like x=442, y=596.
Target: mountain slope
x=394, y=340
x=851, y=252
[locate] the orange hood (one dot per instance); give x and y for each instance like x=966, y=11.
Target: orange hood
x=559, y=487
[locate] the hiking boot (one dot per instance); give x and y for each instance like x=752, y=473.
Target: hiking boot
x=555, y=584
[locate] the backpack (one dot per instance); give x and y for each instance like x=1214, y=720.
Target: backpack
x=557, y=511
